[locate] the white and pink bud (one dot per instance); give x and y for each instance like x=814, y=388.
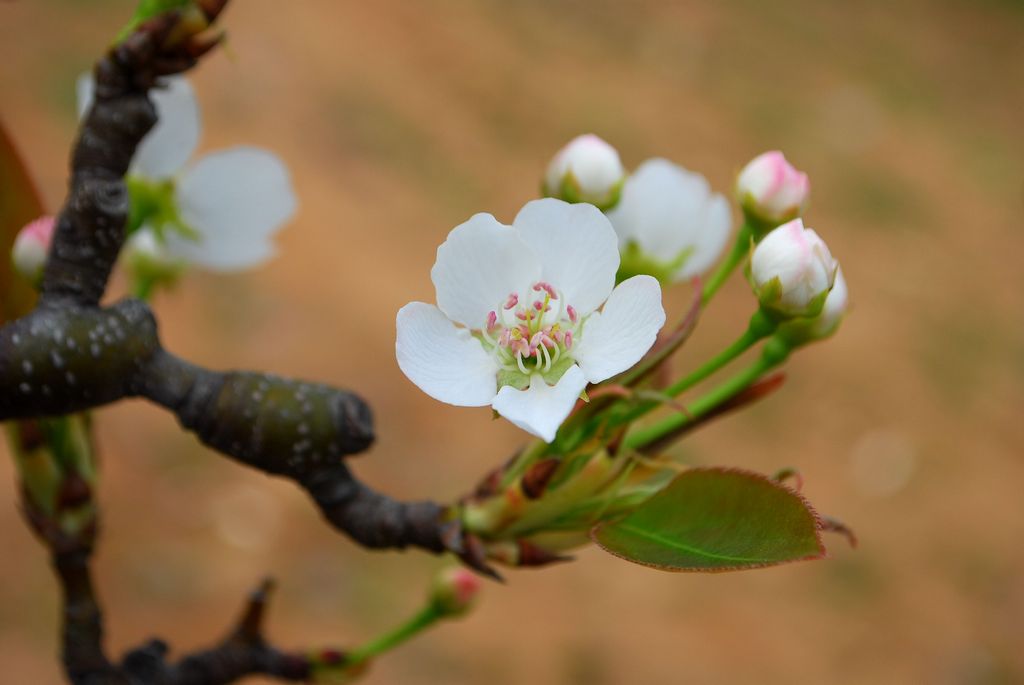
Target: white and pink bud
x=31, y=247
x=455, y=590
x=586, y=170
x=804, y=331
x=832, y=313
x=792, y=271
x=771, y=190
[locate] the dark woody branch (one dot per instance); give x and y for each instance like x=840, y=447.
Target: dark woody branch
x=244, y=652
x=59, y=360
x=70, y=355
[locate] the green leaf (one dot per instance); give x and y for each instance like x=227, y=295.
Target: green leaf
x=19, y=204
x=713, y=519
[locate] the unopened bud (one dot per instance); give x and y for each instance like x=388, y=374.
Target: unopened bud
x=771, y=191
x=792, y=271
x=31, y=247
x=803, y=331
x=586, y=170
x=455, y=590
x=826, y=323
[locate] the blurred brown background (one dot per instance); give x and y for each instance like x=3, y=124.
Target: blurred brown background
x=401, y=119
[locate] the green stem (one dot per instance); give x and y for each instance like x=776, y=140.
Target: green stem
x=523, y=461
x=741, y=345
x=143, y=288
x=774, y=354
x=760, y=327
x=427, y=616
x=740, y=248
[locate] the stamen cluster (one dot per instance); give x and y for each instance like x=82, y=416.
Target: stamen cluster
x=528, y=336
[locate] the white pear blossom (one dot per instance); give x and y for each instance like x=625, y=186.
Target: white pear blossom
x=792, y=270
x=772, y=190
x=587, y=169
x=669, y=222
x=31, y=247
x=219, y=211
x=517, y=325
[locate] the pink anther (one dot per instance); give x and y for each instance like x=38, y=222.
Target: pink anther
x=573, y=316
x=512, y=301
x=546, y=287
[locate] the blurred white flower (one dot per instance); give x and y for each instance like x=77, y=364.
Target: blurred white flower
x=516, y=324
x=219, y=211
x=771, y=190
x=587, y=169
x=31, y=247
x=792, y=271
x=669, y=222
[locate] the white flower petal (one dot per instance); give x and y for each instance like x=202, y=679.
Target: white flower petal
x=235, y=200
x=711, y=239
x=577, y=248
x=85, y=88
x=541, y=408
x=618, y=337
x=165, y=149
x=168, y=146
x=445, y=362
x=478, y=266
x=221, y=252
x=666, y=209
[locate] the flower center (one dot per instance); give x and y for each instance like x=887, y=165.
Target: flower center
x=532, y=333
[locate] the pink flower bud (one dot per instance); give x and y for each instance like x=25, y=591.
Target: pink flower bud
x=792, y=271
x=586, y=170
x=455, y=590
x=771, y=190
x=31, y=247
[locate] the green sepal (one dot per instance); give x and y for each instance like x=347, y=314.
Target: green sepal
x=770, y=295
x=760, y=226
x=557, y=370
x=154, y=204
x=634, y=262
x=569, y=191
x=514, y=378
